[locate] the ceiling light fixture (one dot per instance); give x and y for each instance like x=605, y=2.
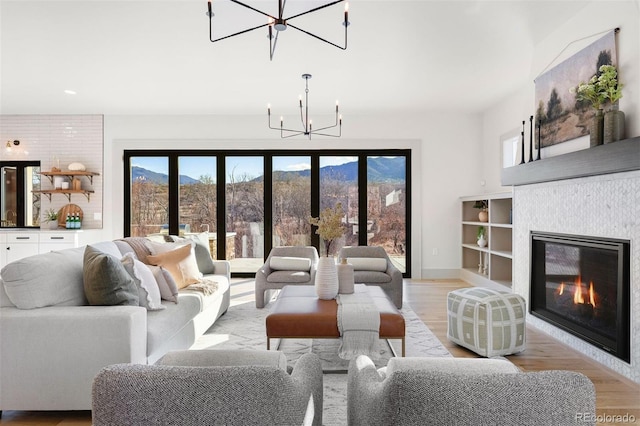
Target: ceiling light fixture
x=307, y=128
x=279, y=23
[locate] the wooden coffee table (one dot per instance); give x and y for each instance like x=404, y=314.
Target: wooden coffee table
x=299, y=314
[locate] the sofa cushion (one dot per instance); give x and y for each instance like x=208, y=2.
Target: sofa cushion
x=368, y=263
x=178, y=260
x=106, y=282
x=288, y=277
x=166, y=284
x=162, y=326
x=287, y=263
x=201, y=250
x=148, y=290
x=370, y=277
x=48, y=279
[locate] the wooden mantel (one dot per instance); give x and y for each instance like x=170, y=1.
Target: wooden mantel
x=616, y=157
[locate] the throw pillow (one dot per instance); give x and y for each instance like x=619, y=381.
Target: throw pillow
x=47, y=279
x=201, y=250
x=180, y=263
x=148, y=290
x=284, y=263
x=106, y=282
x=368, y=263
x=166, y=284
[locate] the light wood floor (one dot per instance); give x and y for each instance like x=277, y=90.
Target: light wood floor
x=616, y=395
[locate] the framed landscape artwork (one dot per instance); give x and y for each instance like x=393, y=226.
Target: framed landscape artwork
x=563, y=118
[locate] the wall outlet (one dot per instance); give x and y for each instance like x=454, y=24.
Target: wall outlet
x=434, y=252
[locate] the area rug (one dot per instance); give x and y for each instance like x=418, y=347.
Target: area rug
x=243, y=327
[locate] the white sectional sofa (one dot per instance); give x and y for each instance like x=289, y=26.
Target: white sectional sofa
x=52, y=343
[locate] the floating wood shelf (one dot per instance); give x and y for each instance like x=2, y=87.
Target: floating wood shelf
x=66, y=192
x=70, y=174
x=616, y=157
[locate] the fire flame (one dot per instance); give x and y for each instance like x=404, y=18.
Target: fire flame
x=579, y=293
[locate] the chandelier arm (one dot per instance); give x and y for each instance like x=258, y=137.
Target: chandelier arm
x=314, y=9
x=290, y=136
x=325, y=134
x=322, y=39
x=252, y=8
x=231, y=35
x=325, y=128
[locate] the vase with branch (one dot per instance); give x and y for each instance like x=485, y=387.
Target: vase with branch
x=329, y=228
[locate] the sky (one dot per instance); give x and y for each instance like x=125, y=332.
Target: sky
x=195, y=167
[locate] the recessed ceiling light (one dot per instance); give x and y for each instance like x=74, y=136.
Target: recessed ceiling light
x=70, y=92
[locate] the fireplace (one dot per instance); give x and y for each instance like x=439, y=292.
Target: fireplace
x=581, y=285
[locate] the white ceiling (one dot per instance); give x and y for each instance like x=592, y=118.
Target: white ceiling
x=154, y=57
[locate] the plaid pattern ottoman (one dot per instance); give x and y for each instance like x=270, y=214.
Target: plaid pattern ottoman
x=486, y=321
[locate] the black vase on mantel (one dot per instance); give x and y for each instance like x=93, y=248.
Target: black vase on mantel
x=596, y=129
x=613, y=125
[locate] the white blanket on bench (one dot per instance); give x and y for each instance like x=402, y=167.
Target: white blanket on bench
x=359, y=324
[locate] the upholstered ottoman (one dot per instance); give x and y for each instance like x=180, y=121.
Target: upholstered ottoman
x=486, y=321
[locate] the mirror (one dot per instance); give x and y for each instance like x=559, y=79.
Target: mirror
x=19, y=206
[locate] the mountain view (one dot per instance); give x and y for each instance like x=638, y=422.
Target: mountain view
x=379, y=169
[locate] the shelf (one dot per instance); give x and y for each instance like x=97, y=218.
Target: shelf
x=501, y=225
x=70, y=174
x=66, y=192
x=616, y=157
x=496, y=258
x=476, y=247
x=502, y=253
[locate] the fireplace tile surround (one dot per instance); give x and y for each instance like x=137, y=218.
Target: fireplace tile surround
x=605, y=206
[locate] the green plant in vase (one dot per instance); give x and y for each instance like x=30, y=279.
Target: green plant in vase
x=613, y=117
x=482, y=239
x=51, y=216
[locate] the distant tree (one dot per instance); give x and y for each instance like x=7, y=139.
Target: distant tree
x=604, y=58
x=540, y=114
x=554, y=105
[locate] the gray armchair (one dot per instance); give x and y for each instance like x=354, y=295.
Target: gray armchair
x=210, y=387
x=271, y=277
x=463, y=391
x=389, y=278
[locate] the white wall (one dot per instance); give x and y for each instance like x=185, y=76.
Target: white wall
x=445, y=153
x=598, y=16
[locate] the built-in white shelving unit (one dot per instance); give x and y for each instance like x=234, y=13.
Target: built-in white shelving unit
x=490, y=265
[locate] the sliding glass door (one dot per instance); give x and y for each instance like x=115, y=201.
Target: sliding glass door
x=267, y=198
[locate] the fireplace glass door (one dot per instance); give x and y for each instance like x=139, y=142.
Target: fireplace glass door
x=581, y=284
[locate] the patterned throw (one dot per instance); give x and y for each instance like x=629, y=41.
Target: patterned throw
x=359, y=324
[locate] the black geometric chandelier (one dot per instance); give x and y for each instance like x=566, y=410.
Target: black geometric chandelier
x=280, y=23
x=307, y=128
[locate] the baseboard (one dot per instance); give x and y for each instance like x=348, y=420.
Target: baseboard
x=440, y=274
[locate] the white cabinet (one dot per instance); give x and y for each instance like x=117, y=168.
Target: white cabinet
x=50, y=241
x=19, y=244
x=491, y=264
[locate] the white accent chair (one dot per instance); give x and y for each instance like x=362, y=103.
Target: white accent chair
x=386, y=276
x=283, y=267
